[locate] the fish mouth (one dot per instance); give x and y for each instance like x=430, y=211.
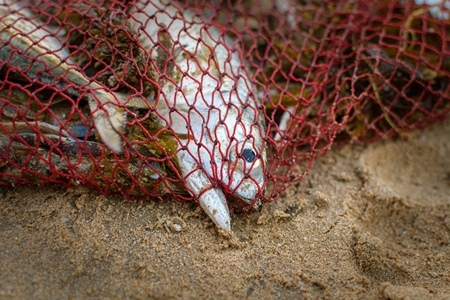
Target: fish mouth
x=241, y=204
x=258, y=205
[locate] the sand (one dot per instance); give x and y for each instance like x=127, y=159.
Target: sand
x=368, y=222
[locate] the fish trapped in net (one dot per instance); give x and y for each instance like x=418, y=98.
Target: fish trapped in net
x=197, y=128
x=208, y=96
x=46, y=105
x=29, y=50
x=201, y=133
x=42, y=87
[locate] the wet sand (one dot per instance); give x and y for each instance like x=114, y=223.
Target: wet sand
x=368, y=222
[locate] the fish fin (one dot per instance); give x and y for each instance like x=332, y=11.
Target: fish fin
x=110, y=125
x=214, y=203
x=109, y=118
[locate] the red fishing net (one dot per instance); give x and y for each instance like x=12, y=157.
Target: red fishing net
x=204, y=87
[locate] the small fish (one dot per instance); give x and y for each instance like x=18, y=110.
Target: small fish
x=206, y=95
x=27, y=46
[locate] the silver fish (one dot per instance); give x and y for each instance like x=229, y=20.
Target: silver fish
x=207, y=96
x=31, y=48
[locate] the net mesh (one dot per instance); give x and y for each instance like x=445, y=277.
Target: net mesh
x=293, y=77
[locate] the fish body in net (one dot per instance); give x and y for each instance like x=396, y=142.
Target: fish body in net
x=206, y=95
x=32, y=50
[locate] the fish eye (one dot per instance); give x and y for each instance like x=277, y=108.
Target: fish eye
x=249, y=155
x=245, y=152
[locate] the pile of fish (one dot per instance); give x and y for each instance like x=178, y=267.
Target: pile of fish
x=198, y=133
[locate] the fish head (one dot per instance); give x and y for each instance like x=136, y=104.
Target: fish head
x=240, y=154
x=246, y=159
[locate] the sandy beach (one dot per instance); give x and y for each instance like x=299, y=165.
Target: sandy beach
x=367, y=222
